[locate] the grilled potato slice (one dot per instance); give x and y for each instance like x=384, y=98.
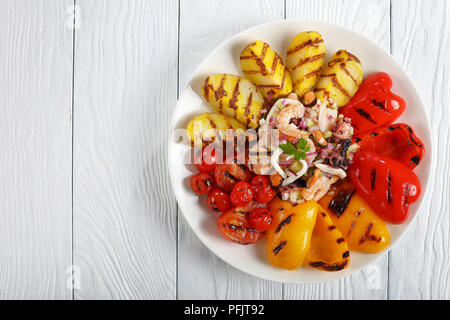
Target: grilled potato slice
x=234, y=97
x=340, y=79
x=204, y=128
x=266, y=69
x=304, y=60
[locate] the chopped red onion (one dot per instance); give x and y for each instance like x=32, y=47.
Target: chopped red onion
x=303, y=124
x=285, y=162
x=330, y=118
x=272, y=121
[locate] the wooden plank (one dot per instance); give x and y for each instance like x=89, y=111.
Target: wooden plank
x=203, y=26
x=125, y=89
x=420, y=267
x=371, y=18
x=36, y=150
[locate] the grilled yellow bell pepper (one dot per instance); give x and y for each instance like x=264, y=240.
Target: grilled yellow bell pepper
x=329, y=250
x=364, y=230
x=289, y=237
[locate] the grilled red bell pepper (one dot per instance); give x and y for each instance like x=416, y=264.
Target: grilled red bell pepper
x=395, y=141
x=374, y=104
x=388, y=186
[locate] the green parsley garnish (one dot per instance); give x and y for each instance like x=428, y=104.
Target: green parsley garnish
x=298, y=151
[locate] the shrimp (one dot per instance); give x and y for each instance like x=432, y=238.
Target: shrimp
x=262, y=166
x=318, y=188
x=283, y=120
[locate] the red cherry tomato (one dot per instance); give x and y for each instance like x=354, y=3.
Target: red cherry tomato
x=260, y=219
x=264, y=193
x=201, y=183
x=242, y=194
x=205, y=161
x=235, y=226
x=218, y=200
x=227, y=175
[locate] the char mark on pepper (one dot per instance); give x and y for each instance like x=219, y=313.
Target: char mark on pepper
x=279, y=247
x=283, y=223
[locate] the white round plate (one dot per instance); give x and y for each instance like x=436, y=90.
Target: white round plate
x=225, y=59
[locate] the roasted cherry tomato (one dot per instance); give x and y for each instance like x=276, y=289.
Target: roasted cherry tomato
x=388, y=186
x=395, y=141
x=235, y=226
x=374, y=104
x=242, y=194
x=260, y=219
x=227, y=175
x=201, y=183
x=264, y=192
x=218, y=200
x=205, y=161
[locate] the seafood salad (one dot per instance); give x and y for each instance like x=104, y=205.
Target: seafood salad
x=313, y=150
x=304, y=155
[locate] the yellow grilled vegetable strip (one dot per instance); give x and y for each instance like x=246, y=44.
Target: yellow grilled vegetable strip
x=204, y=128
x=305, y=57
x=340, y=79
x=329, y=250
x=266, y=69
x=234, y=97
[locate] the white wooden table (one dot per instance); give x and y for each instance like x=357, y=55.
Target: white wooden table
x=85, y=193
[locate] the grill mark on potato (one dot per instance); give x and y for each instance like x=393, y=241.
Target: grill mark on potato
x=206, y=87
x=248, y=104
x=309, y=43
x=211, y=122
x=279, y=247
x=283, y=223
x=335, y=61
x=348, y=73
x=308, y=60
x=313, y=73
x=340, y=88
x=235, y=95
x=220, y=93
x=283, y=81
x=353, y=57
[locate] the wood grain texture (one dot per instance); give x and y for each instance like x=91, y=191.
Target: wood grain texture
x=125, y=90
x=420, y=264
x=35, y=144
x=370, y=18
x=201, y=275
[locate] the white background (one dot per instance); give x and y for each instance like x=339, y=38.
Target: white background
x=83, y=144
